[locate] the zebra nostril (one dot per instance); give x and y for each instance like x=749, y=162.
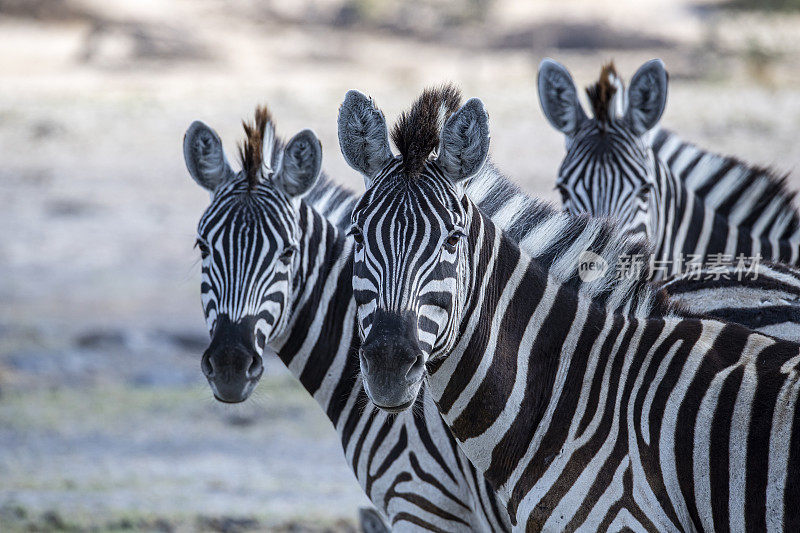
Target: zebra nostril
x=254, y=372
x=206, y=366
x=415, y=371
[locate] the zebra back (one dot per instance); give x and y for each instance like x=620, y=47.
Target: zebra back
x=764, y=297
x=725, y=205
x=332, y=200
x=563, y=243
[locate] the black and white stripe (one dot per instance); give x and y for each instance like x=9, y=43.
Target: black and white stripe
x=719, y=204
x=764, y=297
x=263, y=221
x=581, y=416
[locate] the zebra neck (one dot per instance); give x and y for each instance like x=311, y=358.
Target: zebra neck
x=320, y=333
x=494, y=387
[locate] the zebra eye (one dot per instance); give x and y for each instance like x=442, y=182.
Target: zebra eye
x=287, y=254
x=644, y=190
x=357, y=236
x=204, y=251
x=452, y=240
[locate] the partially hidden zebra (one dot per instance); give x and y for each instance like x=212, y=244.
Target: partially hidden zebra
x=581, y=416
x=689, y=202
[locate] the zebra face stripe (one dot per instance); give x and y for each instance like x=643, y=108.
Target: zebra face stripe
x=408, y=278
x=608, y=171
x=249, y=240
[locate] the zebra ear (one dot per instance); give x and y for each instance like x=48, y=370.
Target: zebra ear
x=205, y=159
x=647, y=96
x=559, y=97
x=363, y=136
x=300, y=164
x=464, y=144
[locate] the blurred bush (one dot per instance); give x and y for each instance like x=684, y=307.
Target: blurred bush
x=43, y=9
x=765, y=5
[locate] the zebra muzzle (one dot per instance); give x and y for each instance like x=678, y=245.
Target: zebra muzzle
x=231, y=364
x=392, y=362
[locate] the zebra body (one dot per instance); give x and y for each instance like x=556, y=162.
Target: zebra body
x=686, y=201
x=582, y=416
x=709, y=204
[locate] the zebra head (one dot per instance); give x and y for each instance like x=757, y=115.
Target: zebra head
x=409, y=228
x=248, y=239
x=609, y=169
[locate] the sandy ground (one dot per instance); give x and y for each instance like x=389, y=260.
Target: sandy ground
x=105, y=421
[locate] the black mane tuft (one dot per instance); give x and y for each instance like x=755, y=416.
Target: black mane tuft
x=416, y=132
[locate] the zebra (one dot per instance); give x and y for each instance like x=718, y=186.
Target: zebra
x=689, y=202
x=579, y=415
x=276, y=275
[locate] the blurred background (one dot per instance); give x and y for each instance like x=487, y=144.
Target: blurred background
x=105, y=420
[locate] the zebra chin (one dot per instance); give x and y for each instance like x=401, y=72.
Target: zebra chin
x=392, y=362
x=392, y=399
x=231, y=364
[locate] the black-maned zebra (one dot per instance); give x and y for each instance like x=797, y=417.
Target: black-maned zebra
x=579, y=416
x=690, y=203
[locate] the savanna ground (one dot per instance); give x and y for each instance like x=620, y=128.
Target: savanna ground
x=105, y=420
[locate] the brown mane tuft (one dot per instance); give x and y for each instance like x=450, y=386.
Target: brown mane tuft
x=417, y=130
x=252, y=149
x=601, y=94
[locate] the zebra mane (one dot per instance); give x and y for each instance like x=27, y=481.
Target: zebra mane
x=762, y=186
x=604, y=93
x=331, y=200
x=259, y=139
x=416, y=132
x=559, y=242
